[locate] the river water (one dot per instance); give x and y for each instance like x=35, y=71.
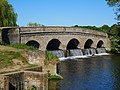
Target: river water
x=95, y=73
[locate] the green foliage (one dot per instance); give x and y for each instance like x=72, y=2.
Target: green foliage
x=9, y=71
x=104, y=28
x=115, y=44
x=34, y=24
x=34, y=87
x=23, y=46
x=89, y=27
x=7, y=15
x=50, y=56
x=116, y=4
x=54, y=77
x=6, y=58
x=113, y=2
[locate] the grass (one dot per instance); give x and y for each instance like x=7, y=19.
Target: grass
x=50, y=58
x=6, y=58
x=22, y=46
x=54, y=77
x=4, y=72
x=19, y=46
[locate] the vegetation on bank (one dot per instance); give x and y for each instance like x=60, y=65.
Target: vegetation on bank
x=11, y=60
x=20, y=46
x=4, y=72
x=6, y=58
x=50, y=58
x=54, y=77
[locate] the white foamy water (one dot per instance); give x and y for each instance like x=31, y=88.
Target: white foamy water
x=85, y=56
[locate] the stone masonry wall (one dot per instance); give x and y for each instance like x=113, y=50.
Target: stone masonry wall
x=34, y=57
x=38, y=79
x=24, y=80
x=4, y=82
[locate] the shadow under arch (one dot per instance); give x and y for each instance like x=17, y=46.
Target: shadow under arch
x=100, y=44
x=33, y=43
x=11, y=87
x=88, y=43
x=53, y=44
x=73, y=44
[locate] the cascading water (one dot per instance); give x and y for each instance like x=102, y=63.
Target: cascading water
x=58, y=53
x=93, y=51
x=89, y=51
x=78, y=53
x=101, y=50
x=74, y=52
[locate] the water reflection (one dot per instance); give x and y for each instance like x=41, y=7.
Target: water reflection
x=97, y=73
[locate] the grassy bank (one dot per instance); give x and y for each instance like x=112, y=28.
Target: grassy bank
x=6, y=58
x=50, y=58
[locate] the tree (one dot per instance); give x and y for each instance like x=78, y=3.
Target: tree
x=114, y=33
x=116, y=4
x=7, y=15
x=34, y=24
x=105, y=28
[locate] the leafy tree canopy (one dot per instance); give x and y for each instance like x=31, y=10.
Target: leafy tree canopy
x=113, y=2
x=7, y=15
x=116, y=4
x=34, y=24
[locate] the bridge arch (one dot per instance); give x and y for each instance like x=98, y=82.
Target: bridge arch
x=33, y=43
x=88, y=44
x=73, y=44
x=53, y=44
x=100, y=44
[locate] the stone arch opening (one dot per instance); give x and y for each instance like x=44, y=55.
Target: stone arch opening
x=100, y=44
x=88, y=44
x=53, y=44
x=5, y=36
x=33, y=43
x=11, y=87
x=73, y=44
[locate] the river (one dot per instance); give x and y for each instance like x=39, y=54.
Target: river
x=95, y=73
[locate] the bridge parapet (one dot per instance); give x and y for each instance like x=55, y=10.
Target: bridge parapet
x=59, y=29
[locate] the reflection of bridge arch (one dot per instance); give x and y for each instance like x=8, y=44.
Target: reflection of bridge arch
x=53, y=44
x=100, y=44
x=73, y=44
x=88, y=43
x=33, y=43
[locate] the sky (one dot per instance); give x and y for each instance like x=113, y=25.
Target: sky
x=63, y=12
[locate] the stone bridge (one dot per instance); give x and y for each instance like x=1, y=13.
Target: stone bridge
x=54, y=38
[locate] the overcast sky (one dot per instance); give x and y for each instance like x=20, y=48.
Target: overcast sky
x=63, y=12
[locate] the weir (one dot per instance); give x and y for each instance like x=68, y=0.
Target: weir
x=79, y=53
x=74, y=52
x=101, y=50
x=58, y=53
x=90, y=51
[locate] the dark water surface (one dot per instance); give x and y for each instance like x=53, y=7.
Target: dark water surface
x=96, y=73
